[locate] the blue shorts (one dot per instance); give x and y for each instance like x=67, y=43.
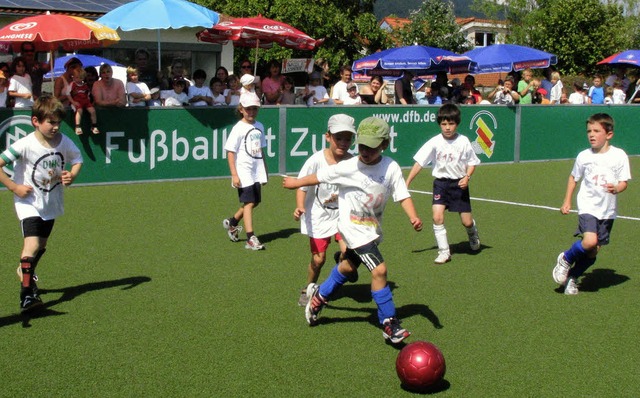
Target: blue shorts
x=447, y=192
x=368, y=254
x=588, y=223
x=251, y=194
x=36, y=226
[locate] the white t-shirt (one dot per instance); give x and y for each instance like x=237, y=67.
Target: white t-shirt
x=363, y=194
x=171, y=98
x=203, y=91
x=139, y=88
x=22, y=85
x=340, y=91
x=320, y=219
x=619, y=96
x=320, y=93
x=41, y=168
x=596, y=170
x=219, y=99
x=450, y=158
x=577, y=98
x=246, y=141
x=352, y=101
x=235, y=99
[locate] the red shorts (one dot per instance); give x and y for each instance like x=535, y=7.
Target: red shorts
x=319, y=245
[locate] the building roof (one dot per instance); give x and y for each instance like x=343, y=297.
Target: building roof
x=85, y=8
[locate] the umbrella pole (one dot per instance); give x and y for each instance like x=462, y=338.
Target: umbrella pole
x=51, y=69
x=159, y=54
x=255, y=64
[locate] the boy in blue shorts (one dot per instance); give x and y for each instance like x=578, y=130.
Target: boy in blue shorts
x=604, y=171
x=365, y=184
x=454, y=162
x=38, y=183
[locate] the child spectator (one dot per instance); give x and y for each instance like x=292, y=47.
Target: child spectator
x=369, y=175
x=433, y=94
x=504, y=93
x=199, y=94
x=177, y=96
x=604, y=171
x=137, y=92
x=608, y=95
x=619, y=95
x=317, y=206
x=596, y=92
x=315, y=92
x=248, y=168
x=454, y=162
x=578, y=96
x=232, y=94
x=38, y=179
x=420, y=86
x=288, y=96
x=79, y=98
x=155, y=97
x=353, y=98
x=556, y=89
x=20, y=87
x=216, y=86
x=248, y=84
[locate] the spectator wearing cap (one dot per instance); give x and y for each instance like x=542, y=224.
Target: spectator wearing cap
x=354, y=97
x=108, y=91
x=62, y=84
x=35, y=69
x=247, y=83
x=420, y=86
x=373, y=93
x=246, y=68
x=272, y=85
x=315, y=93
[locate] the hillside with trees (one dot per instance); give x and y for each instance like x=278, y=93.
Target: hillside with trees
x=402, y=8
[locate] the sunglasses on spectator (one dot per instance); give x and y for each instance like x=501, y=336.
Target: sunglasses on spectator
x=246, y=66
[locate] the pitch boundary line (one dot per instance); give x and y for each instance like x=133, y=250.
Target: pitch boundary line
x=506, y=202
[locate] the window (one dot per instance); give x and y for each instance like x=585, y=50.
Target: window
x=484, y=39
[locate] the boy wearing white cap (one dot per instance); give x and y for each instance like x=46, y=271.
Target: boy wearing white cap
x=317, y=206
x=248, y=168
x=365, y=183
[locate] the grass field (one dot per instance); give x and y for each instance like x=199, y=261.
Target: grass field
x=146, y=296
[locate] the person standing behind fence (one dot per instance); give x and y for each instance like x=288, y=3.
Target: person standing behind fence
x=315, y=93
x=108, y=91
x=339, y=92
x=556, y=89
x=272, y=84
x=527, y=86
x=374, y=93
x=138, y=92
x=596, y=92
x=20, y=87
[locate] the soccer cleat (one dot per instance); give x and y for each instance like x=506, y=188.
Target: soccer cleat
x=443, y=257
x=304, y=299
x=474, y=242
x=29, y=300
x=561, y=270
x=231, y=230
x=572, y=287
x=392, y=331
x=315, y=304
x=254, y=244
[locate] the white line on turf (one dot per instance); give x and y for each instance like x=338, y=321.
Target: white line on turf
x=506, y=202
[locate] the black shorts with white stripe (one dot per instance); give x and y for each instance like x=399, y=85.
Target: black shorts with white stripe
x=368, y=254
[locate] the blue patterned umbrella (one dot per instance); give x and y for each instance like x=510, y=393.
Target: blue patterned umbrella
x=509, y=57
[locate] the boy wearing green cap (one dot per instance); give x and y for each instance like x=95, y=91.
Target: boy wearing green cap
x=365, y=183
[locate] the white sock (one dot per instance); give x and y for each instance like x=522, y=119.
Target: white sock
x=472, y=230
x=441, y=237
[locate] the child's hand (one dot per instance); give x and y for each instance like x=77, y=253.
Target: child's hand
x=611, y=188
x=566, y=208
x=67, y=178
x=464, y=182
x=297, y=213
x=235, y=182
x=289, y=182
x=22, y=191
x=417, y=224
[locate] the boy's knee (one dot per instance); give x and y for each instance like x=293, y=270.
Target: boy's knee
x=379, y=272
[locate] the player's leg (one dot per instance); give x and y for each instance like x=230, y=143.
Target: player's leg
x=460, y=201
x=472, y=231
x=318, y=247
x=588, y=228
x=595, y=234
x=36, y=233
x=352, y=275
x=440, y=232
x=231, y=223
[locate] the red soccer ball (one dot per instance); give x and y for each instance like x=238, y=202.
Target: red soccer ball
x=420, y=365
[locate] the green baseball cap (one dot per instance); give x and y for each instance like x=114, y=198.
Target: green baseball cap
x=372, y=131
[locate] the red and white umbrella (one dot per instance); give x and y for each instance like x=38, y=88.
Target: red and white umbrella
x=258, y=32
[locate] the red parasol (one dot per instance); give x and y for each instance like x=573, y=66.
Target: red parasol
x=258, y=32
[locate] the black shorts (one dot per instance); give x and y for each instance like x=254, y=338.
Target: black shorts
x=368, y=254
x=447, y=192
x=36, y=226
x=251, y=194
x=588, y=223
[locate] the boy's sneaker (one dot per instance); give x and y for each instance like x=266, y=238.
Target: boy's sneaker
x=572, y=287
x=304, y=299
x=443, y=257
x=29, y=300
x=315, y=304
x=231, y=230
x=474, y=242
x=561, y=270
x=392, y=331
x=254, y=244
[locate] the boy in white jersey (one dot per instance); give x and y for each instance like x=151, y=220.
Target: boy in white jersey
x=604, y=171
x=454, y=161
x=39, y=161
x=317, y=206
x=365, y=184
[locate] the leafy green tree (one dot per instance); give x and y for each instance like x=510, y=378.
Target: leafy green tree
x=347, y=27
x=434, y=25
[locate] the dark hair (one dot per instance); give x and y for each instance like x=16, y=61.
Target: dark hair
x=449, y=113
x=199, y=74
x=214, y=80
x=605, y=120
x=180, y=82
x=226, y=72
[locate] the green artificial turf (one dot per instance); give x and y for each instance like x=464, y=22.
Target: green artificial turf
x=146, y=296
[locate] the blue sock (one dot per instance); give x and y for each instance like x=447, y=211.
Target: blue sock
x=384, y=301
x=582, y=264
x=575, y=252
x=333, y=282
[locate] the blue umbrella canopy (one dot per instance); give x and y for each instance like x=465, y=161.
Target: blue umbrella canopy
x=158, y=15
x=628, y=58
x=87, y=60
x=417, y=59
x=509, y=57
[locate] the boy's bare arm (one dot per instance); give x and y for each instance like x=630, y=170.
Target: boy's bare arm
x=21, y=190
x=615, y=189
x=410, y=210
x=69, y=176
x=294, y=183
x=301, y=195
x=413, y=173
x=231, y=159
x=566, y=204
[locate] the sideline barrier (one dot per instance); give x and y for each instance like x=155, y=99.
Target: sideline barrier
x=150, y=144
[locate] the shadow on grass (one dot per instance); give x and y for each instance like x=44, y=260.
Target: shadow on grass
x=600, y=278
x=438, y=387
x=456, y=248
x=68, y=294
x=282, y=234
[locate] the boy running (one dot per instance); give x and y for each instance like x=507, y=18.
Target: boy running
x=365, y=183
x=604, y=171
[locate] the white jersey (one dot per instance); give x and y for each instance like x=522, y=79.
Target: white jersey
x=596, y=170
x=247, y=141
x=41, y=168
x=320, y=219
x=137, y=88
x=363, y=193
x=320, y=94
x=203, y=91
x=22, y=85
x=450, y=158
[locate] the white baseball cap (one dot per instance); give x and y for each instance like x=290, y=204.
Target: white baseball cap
x=341, y=122
x=247, y=79
x=249, y=99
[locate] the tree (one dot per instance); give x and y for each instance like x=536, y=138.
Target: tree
x=348, y=26
x=434, y=25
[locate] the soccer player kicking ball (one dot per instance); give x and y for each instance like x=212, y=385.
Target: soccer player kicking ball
x=454, y=161
x=365, y=183
x=604, y=171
